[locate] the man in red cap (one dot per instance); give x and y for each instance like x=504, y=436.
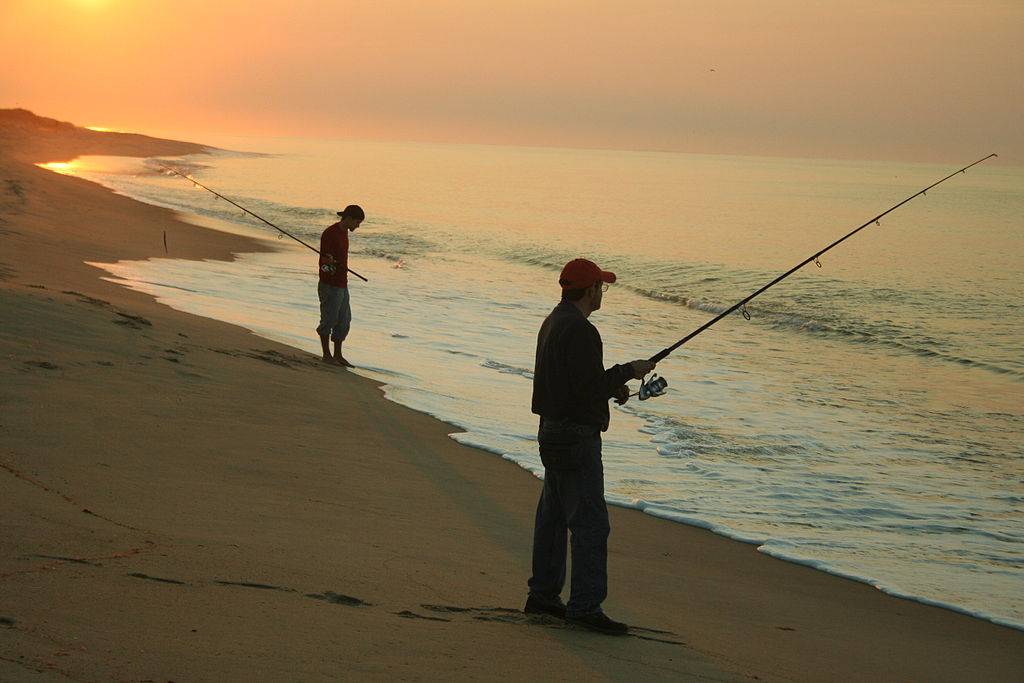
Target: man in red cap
x=571, y=390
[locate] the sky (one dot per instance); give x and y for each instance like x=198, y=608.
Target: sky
x=864, y=79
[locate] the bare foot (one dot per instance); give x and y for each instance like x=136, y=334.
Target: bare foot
x=340, y=360
x=328, y=359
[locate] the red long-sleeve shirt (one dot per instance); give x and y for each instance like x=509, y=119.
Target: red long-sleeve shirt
x=334, y=241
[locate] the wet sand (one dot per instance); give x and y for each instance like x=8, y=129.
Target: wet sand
x=183, y=500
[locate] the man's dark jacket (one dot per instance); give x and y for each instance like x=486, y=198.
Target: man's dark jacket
x=569, y=379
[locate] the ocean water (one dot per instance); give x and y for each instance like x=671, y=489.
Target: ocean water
x=868, y=420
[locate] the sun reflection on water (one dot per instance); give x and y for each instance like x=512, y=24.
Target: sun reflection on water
x=89, y=165
x=63, y=167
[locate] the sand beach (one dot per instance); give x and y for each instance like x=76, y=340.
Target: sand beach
x=183, y=500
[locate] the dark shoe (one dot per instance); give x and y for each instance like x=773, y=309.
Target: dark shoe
x=599, y=621
x=535, y=605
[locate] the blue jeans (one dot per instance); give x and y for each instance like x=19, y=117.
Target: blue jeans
x=572, y=501
x=335, y=312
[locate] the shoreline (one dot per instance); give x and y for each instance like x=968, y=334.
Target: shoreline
x=740, y=613
x=887, y=584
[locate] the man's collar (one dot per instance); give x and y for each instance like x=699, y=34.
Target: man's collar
x=570, y=305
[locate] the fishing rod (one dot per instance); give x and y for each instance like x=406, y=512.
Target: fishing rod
x=656, y=385
x=254, y=215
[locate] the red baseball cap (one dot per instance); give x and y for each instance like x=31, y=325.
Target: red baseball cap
x=581, y=273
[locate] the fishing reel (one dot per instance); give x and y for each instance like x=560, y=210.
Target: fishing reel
x=655, y=386
x=329, y=268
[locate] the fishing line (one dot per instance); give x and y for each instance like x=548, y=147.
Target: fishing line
x=648, y=392
x=254, y=215
x=813, y=258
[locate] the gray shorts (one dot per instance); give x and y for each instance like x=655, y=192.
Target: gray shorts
x=335, y=312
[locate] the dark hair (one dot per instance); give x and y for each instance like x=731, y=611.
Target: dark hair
x=353, y=211
x=574, y=294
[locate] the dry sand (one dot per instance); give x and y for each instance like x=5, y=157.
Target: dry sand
x=182, y=500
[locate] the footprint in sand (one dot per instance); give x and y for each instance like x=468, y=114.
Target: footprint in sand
x=45, y=365
x=514, y=616
x=269, y=356
x=173, y=355
x=406, y=614
x=139, y=575
x=17, y=189
x=338, y=599
x=326, y=596
x=505, y=615
x=261, y=586
x=86, y=299
x=74, y=560
x=134, y=321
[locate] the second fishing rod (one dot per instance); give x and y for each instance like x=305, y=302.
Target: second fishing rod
x=251, y=213
x=656, y=385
